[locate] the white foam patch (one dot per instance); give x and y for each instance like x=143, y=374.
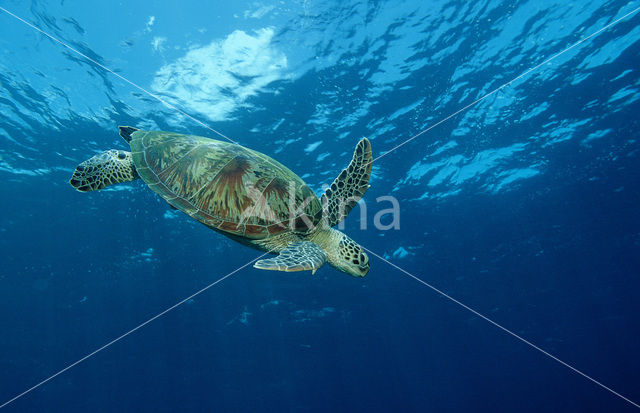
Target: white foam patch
x=119, y=188
x=242, y=318
x=170, y=215
x=150, y=23
x=283, y=143
x=564, y=132
x=144, y=256
x=579, y=78
x=6, y=167
x=16, y=171
x=596, y=135
x=405, y=110
x=312, y=146
x=322, y=156
x=535, y=111
x=623, y=93
x=613, y=50
x=270, y=303
x=400, y=253
x=158, y=43
x=305, y=315
x=445, y=147
x=258, y=13
x=437, y=195
x=214, y=80
x=403, y=252
x=457, y=170
x=623, y=74
x=510, y=176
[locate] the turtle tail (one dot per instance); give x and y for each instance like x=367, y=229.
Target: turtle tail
x=106, y=168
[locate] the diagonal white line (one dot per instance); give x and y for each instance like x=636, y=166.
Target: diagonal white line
x=115, y=340
x=158, y=98
x=534, y=68
x=169, y=105
x=506, y=330
x=384, y=154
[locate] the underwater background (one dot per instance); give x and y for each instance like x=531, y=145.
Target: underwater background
x=523, y=207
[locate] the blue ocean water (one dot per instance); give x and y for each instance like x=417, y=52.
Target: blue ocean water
x=523, y=207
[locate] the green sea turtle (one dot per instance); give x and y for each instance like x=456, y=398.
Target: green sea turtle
x=242, y=194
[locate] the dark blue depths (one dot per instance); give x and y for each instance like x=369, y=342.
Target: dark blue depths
x=523, y=208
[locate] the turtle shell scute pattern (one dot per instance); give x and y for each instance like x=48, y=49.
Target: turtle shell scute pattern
x=225, y=186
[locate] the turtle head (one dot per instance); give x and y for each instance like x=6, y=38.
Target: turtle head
x=349, y=257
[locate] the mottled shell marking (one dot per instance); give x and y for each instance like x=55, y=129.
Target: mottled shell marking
x=223, y=185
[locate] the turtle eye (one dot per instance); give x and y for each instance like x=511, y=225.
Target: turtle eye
x=121, y=155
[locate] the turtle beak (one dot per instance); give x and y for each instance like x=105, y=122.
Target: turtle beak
x=360, y=271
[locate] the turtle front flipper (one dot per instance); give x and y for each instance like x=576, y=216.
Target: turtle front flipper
x=297, y=256
x=107, y=168
x=347, y=189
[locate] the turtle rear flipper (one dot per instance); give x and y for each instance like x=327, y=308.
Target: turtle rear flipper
x=126, y=131
x=298, y=256
x=107, y=168
x=347, y=189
